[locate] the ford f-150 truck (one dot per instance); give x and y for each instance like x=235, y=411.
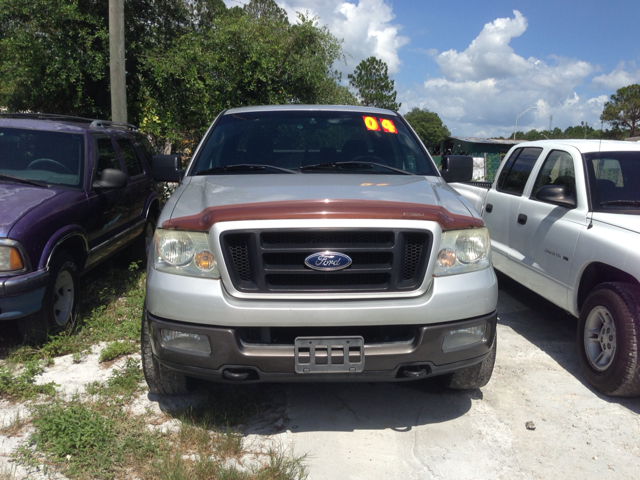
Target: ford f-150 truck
x=564, y=220
x=316, y=243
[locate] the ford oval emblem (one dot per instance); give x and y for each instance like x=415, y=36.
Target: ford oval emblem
x=327, y=261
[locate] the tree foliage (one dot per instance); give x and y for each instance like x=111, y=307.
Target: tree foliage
x=374, y=87
x=623, y=110
x=428, y=126
x=186, y=60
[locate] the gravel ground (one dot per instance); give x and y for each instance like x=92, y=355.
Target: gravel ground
x=537, y=418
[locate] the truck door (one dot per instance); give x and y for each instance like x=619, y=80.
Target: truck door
x=546, y=235
x=503, y=202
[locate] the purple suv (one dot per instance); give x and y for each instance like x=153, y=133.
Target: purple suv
x=72, y=192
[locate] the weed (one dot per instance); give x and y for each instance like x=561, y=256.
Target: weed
x=23, y=386
x=122, y=383
x=15, y=426
x=118, y=349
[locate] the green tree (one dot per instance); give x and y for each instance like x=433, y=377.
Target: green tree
x=242, y=60
x=428, y=126
x=266, y=9
x=623, y=110
x=374, y=88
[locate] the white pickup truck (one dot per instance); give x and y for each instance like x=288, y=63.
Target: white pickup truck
x=564, y=220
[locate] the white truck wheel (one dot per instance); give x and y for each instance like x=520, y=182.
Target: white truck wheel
x=608, y=339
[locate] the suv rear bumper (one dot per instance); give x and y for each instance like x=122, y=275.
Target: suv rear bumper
x=232, y=360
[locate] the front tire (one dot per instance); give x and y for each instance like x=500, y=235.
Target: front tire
x=160, y=379
x=608, y=339
x=475, y=376
x=59, y=302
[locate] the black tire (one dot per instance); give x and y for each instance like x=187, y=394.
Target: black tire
x=160, y=379
x=608, y=338
x=475, y=376
x=59, y=302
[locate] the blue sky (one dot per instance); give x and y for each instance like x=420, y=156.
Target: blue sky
x=480, y=64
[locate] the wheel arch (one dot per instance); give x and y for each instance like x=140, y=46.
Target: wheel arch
x=73, y=242
x=596, y=273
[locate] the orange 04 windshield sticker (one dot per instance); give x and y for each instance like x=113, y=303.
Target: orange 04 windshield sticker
x=387, y=125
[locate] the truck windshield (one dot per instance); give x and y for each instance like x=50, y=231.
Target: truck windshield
x=615, y=180
x=311, y=142
x=41, y=158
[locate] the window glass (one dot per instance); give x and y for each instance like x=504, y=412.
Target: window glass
x=614, y=178
x=51, y=158
x=142, y=142
x=516, y=178
x=557, y=170
x=107, y=156
x=294, y=139
x=130, y=157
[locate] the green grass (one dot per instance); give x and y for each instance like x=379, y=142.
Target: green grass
x=118, y=349
x=96, y=436
x=22, y=386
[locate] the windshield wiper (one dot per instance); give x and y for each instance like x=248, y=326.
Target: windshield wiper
x=26, y=181
x=351, y=166
x=621, y=202
x=244, y=167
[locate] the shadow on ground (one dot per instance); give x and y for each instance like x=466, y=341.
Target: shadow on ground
x=549, y=328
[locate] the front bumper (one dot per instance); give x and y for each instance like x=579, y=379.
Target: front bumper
x=232, y=360
x=22, y=295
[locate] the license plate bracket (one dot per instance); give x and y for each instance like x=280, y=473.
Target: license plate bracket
x=329, y=355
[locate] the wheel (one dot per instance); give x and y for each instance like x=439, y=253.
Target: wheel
x=59, y=302
x=475, y=376
x=160, y=379
x=608, y=339
x=44, y=162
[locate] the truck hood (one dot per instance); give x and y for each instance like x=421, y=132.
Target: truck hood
x=628, y=222
x=17, y=200
x=204, y=200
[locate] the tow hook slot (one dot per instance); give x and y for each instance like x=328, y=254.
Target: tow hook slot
x=414, y=371
x=239, y=374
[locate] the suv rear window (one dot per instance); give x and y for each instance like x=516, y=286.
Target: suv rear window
x=295, y=139
x=54, y=158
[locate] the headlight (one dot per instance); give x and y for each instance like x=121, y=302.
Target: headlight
x=463, y=251
x=10, y=259
x=184, y=253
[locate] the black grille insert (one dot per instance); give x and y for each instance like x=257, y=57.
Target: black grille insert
x=287, y=335
x=272, y=261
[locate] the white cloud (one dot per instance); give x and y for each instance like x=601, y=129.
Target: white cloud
x=365, y=27
x=620, y=77
x=483, y=88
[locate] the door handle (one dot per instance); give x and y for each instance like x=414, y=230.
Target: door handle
x=488, y=208
x=522, y=219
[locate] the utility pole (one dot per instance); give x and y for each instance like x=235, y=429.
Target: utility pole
x=550, y=122
x=116, y=61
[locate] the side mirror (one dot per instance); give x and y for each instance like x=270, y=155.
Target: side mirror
x=556, y=195
x=111, y=178
x=167, y=168
x=457, y=168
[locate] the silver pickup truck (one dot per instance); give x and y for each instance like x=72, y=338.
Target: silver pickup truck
x=564, y=220
x=316, y=243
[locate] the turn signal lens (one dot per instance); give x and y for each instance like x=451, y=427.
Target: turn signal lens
x=204, y=261
x=10, y=259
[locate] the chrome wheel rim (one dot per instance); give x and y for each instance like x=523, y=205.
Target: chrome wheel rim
x=600, y=338
x=63, y=295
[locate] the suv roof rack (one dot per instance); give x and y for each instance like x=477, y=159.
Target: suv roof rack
x=70, y=118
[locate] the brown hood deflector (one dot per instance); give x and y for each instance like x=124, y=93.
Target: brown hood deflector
x=315, y=209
